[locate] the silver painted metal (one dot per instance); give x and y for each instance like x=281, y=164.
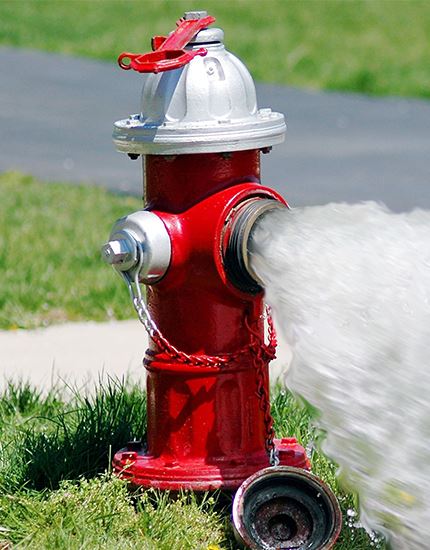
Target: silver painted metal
x=195, y=15
x=139, y=242
x=120, y=253
x=209, y=105
x=207, y=36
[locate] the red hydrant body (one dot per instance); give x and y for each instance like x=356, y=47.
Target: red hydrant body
x=208, y=412
x=206, y=424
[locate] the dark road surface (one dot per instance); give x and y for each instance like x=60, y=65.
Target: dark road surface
x=57, y=113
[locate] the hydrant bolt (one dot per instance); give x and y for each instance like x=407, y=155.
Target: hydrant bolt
x=119, y=253
x=195, y=15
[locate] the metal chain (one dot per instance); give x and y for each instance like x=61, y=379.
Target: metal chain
x=261, y=356
x=261, y=352
x=164, y=345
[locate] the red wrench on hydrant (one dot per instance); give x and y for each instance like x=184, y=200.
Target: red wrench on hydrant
x=168, y=53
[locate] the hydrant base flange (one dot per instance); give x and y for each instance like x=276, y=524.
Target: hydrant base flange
x=146, y=471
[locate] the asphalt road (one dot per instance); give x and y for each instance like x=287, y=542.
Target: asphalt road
x=56, y=116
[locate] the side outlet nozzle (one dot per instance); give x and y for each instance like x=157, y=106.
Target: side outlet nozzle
x=237, y=250
x=139, y=241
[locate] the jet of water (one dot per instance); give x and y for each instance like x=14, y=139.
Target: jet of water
x=350, y=288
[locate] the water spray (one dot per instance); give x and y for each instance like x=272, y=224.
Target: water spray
x=350, y=289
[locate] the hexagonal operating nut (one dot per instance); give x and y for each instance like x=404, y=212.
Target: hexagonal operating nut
x=119, y=253
x=195, y=15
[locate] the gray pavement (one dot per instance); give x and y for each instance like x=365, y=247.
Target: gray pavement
x=79, y=354
x=56, y=116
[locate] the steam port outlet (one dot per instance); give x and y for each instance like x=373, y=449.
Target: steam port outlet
x=239, y=229
x=139, y=242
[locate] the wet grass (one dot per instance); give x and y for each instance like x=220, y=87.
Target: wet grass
x=50, y=264
x=370, y=46
x=57, y=491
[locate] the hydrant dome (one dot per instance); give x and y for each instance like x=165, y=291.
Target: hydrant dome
x=209, y=105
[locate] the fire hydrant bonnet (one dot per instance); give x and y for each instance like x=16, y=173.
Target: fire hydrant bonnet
x=209, y=105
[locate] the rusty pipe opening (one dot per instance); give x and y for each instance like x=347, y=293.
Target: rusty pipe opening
x=286, y=508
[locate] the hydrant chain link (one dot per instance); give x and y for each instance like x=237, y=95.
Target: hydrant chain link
x=256, y=347
x=262, y=385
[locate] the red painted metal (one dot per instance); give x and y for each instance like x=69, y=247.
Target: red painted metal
x=169, y=53
x=176, y=183
x=291, y=453
x=205, y=424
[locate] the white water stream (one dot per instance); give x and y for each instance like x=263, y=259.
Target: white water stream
x=350, y=290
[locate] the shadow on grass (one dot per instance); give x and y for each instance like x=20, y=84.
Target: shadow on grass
x=80, y=440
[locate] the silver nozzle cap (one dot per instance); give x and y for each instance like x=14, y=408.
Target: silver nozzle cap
x=139, y=241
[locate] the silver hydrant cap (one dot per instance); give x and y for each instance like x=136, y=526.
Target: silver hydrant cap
x=209, y=105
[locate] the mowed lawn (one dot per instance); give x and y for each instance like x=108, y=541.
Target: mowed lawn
x=370, y=46
x=50, y=263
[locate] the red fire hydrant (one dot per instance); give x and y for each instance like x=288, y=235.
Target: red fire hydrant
x=200, y=134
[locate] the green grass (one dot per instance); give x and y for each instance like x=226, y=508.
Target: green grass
x=371, y=46
x=57, y=491
x=50, y=238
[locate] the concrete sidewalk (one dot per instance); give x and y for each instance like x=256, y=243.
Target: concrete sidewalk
x=74, y=353
x=80, y=354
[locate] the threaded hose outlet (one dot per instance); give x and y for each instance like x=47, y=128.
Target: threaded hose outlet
x=240, y=226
